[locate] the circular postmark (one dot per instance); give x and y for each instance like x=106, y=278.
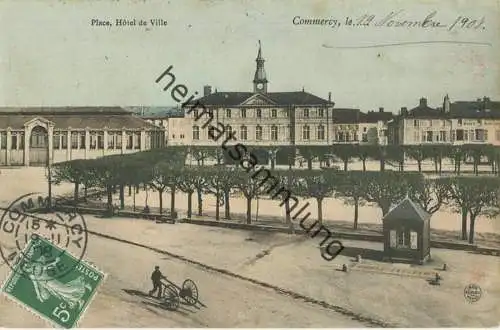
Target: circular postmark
x=473, y=293
x=41, y=245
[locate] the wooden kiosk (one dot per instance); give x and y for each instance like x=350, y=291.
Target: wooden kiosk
x=407, y=233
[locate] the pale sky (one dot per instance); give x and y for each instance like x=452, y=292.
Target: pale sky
x=50, y=55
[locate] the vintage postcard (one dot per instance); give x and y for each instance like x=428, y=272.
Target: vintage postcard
x=244, y=164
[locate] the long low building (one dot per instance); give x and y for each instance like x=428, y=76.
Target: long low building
x=36, y=136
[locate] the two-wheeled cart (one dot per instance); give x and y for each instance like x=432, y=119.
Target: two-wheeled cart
x=172, y=294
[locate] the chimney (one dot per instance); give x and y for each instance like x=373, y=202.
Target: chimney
x=381, y=109
x=423, y=102
x=404, y=111
x=330, y=97
x=446, y=104
x=207, y=90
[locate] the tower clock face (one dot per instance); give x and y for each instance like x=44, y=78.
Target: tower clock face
x=260, y=85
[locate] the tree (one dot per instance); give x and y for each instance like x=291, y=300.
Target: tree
x=387, y=188
x=458, y=154
x=163, y=176
x=344, y=152
x=200, y=153
x=189, y=177
x=318, y=185
x=430, y=194
x=351, y=188
x=73, y=171
x=364, y=152
x=417, y=153
x=220, y=181
x=250, y=188
x=474, y=196
x=397, y=154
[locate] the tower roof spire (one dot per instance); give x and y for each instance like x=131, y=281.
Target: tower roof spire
x=260, y=79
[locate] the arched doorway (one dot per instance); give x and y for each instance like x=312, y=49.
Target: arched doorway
x=39, y=146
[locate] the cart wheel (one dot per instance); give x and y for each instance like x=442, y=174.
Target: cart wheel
x=189, y=292
x=170, y=298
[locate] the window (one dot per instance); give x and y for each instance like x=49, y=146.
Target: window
x=196, y=132
x=258, y=113
x=442, y=136
x=82, y=140
x=64, y=140
x=258, y=133
x=460, y=122
x=56, y=140
x=147, y=140
x=289, y=130
x=38, y=138
x=74, y=140
x=274, y=132
x=229, y=130
x=119, y=140
x=428, y=136
x=415, y=123
x=137, y=140
x=21, y=140
x=211, y=132
x=287, y=113
x=243, y=113
x=403, y=238
x=306, y=113
x=321, y=132
x=3, y=139
x=497, y=135
x=274, y=113
x=195, y=113
x=228, y=113
x=364, y=137
x=13, y=141
x=305, y=132
x=243, y=133
x=460, y=136
x=100, y=140
x=321, y=112
x=129, y=140
x=413, y=240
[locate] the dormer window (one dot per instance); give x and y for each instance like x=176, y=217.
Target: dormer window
x=258, y=113
x=274, y=113
x=306, y=113
x=228, y=113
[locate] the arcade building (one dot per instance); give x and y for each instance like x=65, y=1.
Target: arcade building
x=38, y=136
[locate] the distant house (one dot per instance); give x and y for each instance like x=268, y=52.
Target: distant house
x=33, y=136
x=461, y=122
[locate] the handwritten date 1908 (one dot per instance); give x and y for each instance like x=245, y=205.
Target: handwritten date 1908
x=467, y=23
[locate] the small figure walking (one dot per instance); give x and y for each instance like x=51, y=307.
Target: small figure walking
x=156, y=277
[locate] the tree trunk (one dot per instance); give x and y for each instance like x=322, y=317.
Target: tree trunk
x=436, y=165
x=249, y=210
x=309, y=163
x=130, y=190
x=471, y=228
x=464, y=224
x=109, y=192
x=440, y=165
x=459, y=163
x=364, y=165
x=122, y=197
x=217, y=206
x=273, y=163
x=356, y=213
x=227, y=211
x=200, y=202
x=419, y=162
x=85, y=193
x=172, y=202
x=190, y=204
x=75, y=194
x=346, y=161
x=320, y=210
x=382, y=164
x=160, y=195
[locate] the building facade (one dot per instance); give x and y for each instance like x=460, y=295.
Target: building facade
x=32, y=136
x=457, y=123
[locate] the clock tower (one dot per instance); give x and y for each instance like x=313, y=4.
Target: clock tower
x=260, y=80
